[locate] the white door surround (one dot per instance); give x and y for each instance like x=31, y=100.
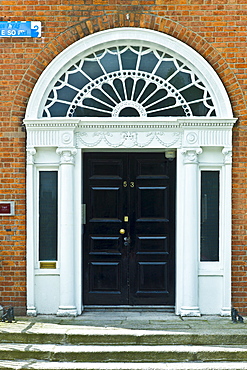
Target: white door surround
x=57, y=143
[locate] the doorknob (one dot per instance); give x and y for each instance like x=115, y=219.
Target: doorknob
x=127, y=241
x=122, y=231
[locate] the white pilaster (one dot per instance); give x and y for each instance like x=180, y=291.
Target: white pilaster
x=227, y=227
x=31, y=309
x=66, y=233
x=190, y=304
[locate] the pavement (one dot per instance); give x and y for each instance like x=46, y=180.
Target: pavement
x=115, y=320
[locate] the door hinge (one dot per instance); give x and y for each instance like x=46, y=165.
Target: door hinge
x=83, y=214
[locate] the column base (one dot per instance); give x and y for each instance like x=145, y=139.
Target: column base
x=225, y=311
x=190, y=311
x=31, y=311
x=67, y=311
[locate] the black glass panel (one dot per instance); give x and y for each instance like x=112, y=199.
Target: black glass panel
x=166, y=69
x=162, y=104
x=148, y=91
x=181, y=79
x=78, y=80
x=110, y=62
x=48, y=215
x=148, y=62
x=129, y=59
x=99, y=94
x=192, y=93
x=92, y=69
x=210, y=216
x=129, y=112
x=58, y=109
x=172, y=112
x=160, y=94
x=87, y=112
x=138, y=88
x=66, y=93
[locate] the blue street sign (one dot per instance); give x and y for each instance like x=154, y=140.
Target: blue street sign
x=20, y=29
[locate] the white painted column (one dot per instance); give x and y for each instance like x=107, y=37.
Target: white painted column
x=31, y=217
x=66, y=232
x=226, y=228
x=190, y=305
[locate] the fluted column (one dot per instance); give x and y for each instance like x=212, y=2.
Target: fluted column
x=66, y=232
x=190, y=304
x=227, y=227
x=31, y=309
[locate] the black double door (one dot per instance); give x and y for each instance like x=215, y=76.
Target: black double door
x=129, y=231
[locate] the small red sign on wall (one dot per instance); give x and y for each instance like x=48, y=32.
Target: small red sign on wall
x=7, y=208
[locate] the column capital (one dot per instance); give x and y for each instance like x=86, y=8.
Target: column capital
x=191, y=155
x=66, y=155
x=227, y=152
x=30, y=155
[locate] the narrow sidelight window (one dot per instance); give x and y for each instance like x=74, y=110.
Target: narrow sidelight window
x=48, y=215
x=209, y=216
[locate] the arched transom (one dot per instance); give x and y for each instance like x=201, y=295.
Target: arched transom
x=129, y=81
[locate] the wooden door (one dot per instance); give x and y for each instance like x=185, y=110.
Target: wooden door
x=129, y=232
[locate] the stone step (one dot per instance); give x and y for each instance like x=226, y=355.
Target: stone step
x=114, y=337
x=120, y=353
x=45, y=365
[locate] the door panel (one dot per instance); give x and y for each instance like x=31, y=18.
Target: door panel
x=134, y=192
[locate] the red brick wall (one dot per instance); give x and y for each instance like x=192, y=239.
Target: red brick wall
x=215, y=28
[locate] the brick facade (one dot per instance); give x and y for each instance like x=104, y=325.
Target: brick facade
x=215, y=29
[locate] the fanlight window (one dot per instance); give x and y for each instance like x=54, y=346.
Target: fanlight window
x=128, y=81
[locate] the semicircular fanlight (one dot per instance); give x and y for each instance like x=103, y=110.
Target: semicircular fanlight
x=127, y=81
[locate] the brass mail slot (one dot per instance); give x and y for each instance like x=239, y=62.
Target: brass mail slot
x=47, y=265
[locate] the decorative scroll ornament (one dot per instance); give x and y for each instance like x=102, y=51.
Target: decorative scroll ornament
x=66, y=155
x=67, y=138
x=227, y=152
x=30, y=155
x=192, y=138
x=191, y=155
x=129, y=81
x=127, y=139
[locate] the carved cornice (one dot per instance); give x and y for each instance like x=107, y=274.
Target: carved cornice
x=133, y=133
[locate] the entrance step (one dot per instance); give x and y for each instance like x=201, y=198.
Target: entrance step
x=120, y=353
x=45, y=365
x=115, y=337
x=100, y=342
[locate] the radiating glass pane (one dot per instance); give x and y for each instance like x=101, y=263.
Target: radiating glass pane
x=209, y=216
